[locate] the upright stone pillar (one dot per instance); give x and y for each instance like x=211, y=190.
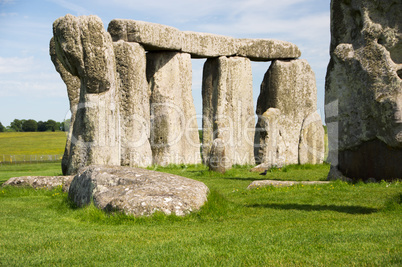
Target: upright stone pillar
x=174, y=131
x=134, y=104
x=228, y=108
x=289, y=89
x=363, y=91
x=73, y=85
x=86, y=50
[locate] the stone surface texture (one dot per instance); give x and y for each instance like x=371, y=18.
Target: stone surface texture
x=73, y=85
x=136, y=191
x=202, y=45
x=228, y=108
x=134, y=104
x=152, y=36
x=311, y=145
x=155, y=36
x=39, y=182
x=288, y=96
x=86, y=50
x=267, y=49
x=364, y=89
x=174, y=131
x=217, y=160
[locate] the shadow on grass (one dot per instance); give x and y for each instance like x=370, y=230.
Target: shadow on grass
x=306, y=207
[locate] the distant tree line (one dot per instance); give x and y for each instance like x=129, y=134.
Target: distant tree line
x=35, y=126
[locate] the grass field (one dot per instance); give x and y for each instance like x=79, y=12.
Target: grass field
x=336, y=224
x=32, y=143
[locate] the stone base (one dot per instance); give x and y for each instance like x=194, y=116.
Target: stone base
x=372, y=159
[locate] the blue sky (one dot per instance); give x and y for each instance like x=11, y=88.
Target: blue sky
x=30, y=87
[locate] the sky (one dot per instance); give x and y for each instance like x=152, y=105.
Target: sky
x=30, y=87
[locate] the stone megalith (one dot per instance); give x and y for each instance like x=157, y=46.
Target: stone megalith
x=158, y=37
x=228, y=108
x=174, y=131
x=270, y=143
x=217, y=160
x=312, y=146
x=136, y=191
x=86, y=50
x=134, y=104
x=73, y=85
x=364, y=90
x=288, y=96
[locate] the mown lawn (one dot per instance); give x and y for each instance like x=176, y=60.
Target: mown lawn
x=336, y=224
x=32, y=143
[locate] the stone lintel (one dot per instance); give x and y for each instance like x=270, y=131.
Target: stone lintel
x=158, y=37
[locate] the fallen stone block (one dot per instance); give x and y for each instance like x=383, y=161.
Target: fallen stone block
x=39, y=182
x=276, y=183
x=136, y=191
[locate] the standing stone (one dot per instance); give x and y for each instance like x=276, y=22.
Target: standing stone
x=288, y=85
x=364, y=90
x=218, y=161
x=86, y=50
x=73, y=91
x=228, y=108
x=134, y=104
x=270, y=145
x=174, y=131
x=311, y=146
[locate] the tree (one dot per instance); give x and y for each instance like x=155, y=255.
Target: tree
x=41, y=126
x=51, y=125
x=29, y=126
x=2, y=128
x=65, y=125
x=58, y=126
x=16, y=125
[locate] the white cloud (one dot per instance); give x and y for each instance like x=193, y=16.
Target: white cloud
x=4, y=14
x=34, y=86
x=16, y=64
x=3, y=2
x=75, y=8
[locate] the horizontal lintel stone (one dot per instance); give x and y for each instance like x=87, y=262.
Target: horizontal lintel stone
x=153, y=36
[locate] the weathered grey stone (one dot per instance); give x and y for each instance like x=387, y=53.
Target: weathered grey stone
x=73, y=84
x=311, y=146
x=205, y=45
x=39, y=182
x=174, y=130
x=267, y=49
x=152, y=36
x=134, y=104
x=86, y=50
x=228, y=108
x=155, y=36
x=218, y=160
x=364, y=89
x=263, y=183
x=270, y=143
x=288, y=85
x=136, y=191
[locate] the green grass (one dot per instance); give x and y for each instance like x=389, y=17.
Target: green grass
x=32, y=143
x=336, y=224
x=16, y=170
